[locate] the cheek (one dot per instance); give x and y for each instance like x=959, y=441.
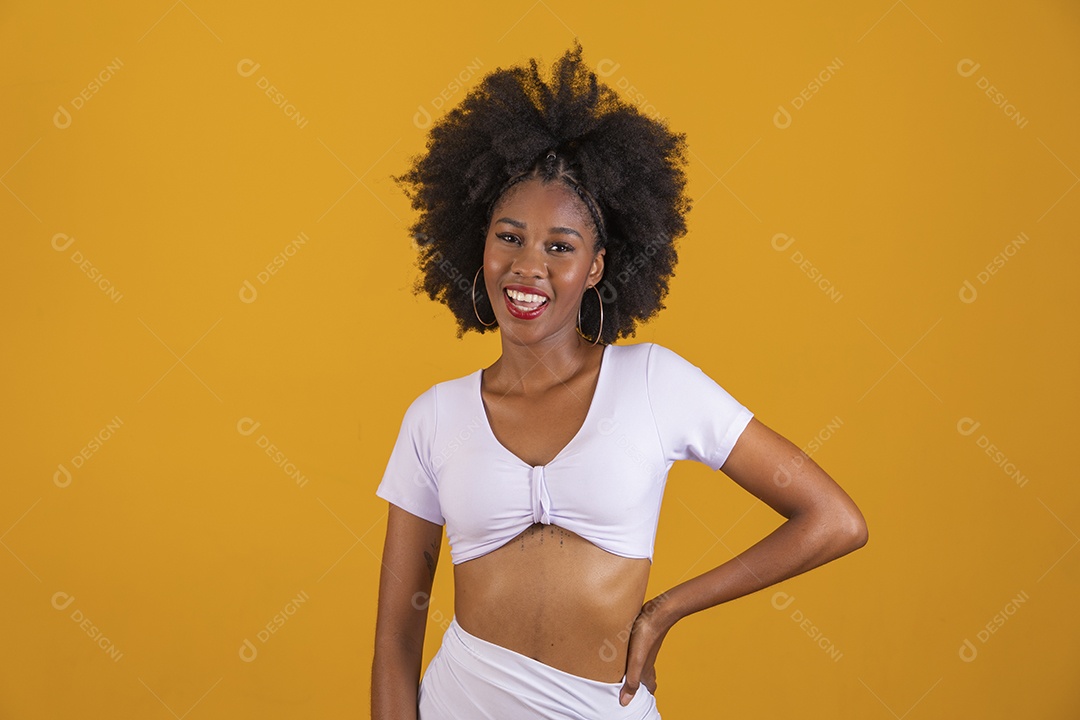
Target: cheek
x=494, y=256
x=489, y=251
x=570, y=279
x=581, y=270
x=493, y=245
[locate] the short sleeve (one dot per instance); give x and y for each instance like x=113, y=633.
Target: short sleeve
x=409, y=481
x=696, y=418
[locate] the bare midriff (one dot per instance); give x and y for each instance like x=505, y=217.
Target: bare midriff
x=555, y=597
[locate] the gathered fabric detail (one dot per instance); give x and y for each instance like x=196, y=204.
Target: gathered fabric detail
x=541, y=498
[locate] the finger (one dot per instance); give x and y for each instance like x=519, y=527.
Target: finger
x=633, y=681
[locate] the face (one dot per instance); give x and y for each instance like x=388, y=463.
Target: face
x=539, y=259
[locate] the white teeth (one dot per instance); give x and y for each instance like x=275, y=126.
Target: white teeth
x=525, y=297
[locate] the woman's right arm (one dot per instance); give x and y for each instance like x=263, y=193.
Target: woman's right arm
x=410, y=556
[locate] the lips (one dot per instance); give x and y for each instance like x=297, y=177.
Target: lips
x=525, y=303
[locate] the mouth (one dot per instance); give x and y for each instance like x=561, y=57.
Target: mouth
x=524, y=305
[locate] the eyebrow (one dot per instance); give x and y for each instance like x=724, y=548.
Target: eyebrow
x=560, y=230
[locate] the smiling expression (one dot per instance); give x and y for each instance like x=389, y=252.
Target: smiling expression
x=539, y=258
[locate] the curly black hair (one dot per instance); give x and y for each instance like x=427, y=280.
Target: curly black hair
x=626, y=167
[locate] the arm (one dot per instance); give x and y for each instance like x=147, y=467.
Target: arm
x=823, y=523
x=410, y=556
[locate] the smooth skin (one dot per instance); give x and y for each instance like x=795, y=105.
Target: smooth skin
x=549, y=593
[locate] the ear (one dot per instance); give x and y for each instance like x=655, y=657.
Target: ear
x=596, y=272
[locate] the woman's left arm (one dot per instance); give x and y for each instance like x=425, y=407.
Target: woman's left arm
x=823, y=523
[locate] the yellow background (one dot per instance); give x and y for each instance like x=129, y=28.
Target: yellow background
x=179, y=180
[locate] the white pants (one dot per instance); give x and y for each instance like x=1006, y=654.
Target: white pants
x=473, y=679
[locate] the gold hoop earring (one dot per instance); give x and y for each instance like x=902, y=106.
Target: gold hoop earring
x=477, y=275
x=600, y=330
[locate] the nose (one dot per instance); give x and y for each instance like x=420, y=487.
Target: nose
x=529, y=261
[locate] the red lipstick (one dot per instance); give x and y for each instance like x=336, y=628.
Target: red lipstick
x=522, y=312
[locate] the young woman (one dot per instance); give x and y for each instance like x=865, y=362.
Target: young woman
x=548, y=210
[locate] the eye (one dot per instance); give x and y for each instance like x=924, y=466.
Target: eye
x=507, y=237
x=562, y=247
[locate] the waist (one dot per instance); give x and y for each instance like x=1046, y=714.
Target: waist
x=553, y=596
x=470, y=678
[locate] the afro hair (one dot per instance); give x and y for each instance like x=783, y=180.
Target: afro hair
x=627, y=167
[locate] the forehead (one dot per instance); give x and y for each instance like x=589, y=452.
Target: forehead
x=536, y=197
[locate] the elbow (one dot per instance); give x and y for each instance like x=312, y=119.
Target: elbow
x=854, y=532
x=838, y=533
x=848, y=526
x=841, y=530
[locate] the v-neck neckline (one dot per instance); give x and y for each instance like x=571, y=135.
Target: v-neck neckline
x=588, y=415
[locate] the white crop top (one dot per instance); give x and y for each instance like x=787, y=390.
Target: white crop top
x=650, y=408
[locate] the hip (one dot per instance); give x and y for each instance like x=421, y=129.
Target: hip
x=474, y=678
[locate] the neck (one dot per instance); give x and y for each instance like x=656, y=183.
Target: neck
x=535, y=366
